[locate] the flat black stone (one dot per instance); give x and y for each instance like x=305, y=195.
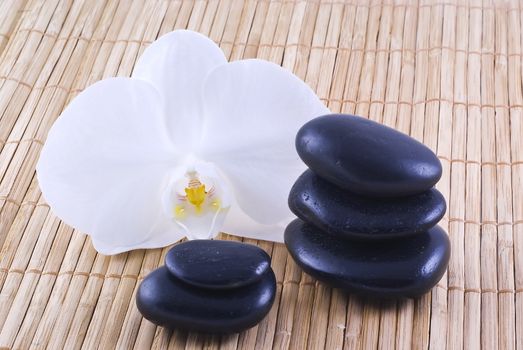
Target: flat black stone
x=366, y=157
x=344, y=213
x=406, y=267
x=217, y=264
x=167, y=301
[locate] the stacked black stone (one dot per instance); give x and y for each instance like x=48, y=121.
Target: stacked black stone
x=367, y=209
x=209, y=286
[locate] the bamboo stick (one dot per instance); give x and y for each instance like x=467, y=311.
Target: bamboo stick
x=456, y=205
x=489, y=305
x=515, y=78
x=505, y=241
x=439, y=294
x=421, y=81
x=472, y=283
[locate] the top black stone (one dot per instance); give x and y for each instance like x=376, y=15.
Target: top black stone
x=215, y=264
x=367, y=158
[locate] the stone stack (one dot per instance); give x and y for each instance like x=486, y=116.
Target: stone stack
x=367, y=209
x=209, y=286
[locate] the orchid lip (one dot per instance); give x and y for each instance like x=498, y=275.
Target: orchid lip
x=197, y=200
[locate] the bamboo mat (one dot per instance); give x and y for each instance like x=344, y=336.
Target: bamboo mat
x=447, y=73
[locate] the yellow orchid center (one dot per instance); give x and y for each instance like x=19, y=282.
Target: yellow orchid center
x=198, y=201
x=195, y=191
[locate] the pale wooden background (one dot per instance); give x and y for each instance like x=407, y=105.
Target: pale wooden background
x=447, y=72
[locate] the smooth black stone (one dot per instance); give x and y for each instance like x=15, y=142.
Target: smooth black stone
x=366, y=157
x=217, y=264
x=167, y=301
x=406, y=267
x=344, y=213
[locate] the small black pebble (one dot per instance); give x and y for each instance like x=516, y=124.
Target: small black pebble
x=217, y=264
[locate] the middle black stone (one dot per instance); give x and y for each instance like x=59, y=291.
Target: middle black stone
x=346, y=214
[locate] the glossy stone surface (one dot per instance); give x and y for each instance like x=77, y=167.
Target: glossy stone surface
x=366, y=157
x=217, y=264
x=167, y=301
x=344, y=213
x=406, y=267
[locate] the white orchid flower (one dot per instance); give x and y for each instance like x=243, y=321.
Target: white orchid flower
x=190, y=145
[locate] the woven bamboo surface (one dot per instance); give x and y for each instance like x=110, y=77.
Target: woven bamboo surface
x=450, y=74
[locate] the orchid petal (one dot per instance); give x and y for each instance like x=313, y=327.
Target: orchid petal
x=164, y=234
x=177, y=65
x=240, y=224
x=253, y=109
x=104, y=165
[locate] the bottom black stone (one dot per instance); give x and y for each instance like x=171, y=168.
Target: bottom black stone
x=406, y=267
x=167, y=301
